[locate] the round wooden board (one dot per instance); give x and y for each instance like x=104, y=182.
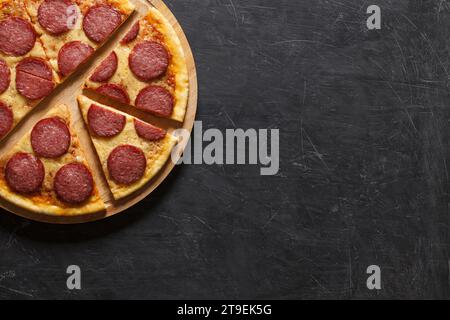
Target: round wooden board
x=67, y=92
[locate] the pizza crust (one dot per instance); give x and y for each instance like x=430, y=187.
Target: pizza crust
x=46, y=202
x=157, y=152
x=178, y=66
x=48, y=208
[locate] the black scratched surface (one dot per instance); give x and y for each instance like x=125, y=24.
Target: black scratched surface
x=364, y=123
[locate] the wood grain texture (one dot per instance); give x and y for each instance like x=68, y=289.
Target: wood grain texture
x=67, y=95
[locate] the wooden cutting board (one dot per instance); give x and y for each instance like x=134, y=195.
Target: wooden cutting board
x=67, y=93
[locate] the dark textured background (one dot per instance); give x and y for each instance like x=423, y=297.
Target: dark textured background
x=364, y=120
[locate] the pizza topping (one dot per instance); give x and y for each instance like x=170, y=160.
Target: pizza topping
x=57, y=16
x=106, y=69
x=126, y=164
x=32, y=87
x=17, y=36
x=148, y=60
x=5, y=76
x=115, y=92
x=148, y=132
x=105, y=123
x=132, y=34
x=73, y=183
x=50, y=138
x=100, y=21
x=155, y=99
x=36, y=67
x=34, y=78
x=6, y=119
x=72, y=55
x=24, y=173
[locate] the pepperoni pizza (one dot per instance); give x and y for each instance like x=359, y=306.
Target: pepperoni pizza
x=46, y=170
x=25, y=73
x=131, y=151
x=42, y=42
x=146, y=70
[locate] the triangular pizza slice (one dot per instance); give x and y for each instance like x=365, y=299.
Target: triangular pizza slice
x=147, y=69
x=131, y=151
x=46, y=170
x=71, y=30
x=26, y=76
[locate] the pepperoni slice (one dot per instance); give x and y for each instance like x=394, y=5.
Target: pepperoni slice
x=132, y=34
x=50, y=138
x=72, y=55
x=148, y=60
x=37, y=67
x=5, y=76
x=115, y=92
x=156, y=100
x=17, y=36
x=148, y=132
x=6, y=119
x=24, y=173
x=73, y=183
x=126, y=164
x=34, y=78
x=100, y=21
x=106, y=69
x=105, y=123
x=56, y=16
x=32, y=87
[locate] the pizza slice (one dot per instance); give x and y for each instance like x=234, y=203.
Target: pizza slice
x=26, y=76
x=46, y=171
x=147, y=69
x=71, y=30
x=131, y=151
